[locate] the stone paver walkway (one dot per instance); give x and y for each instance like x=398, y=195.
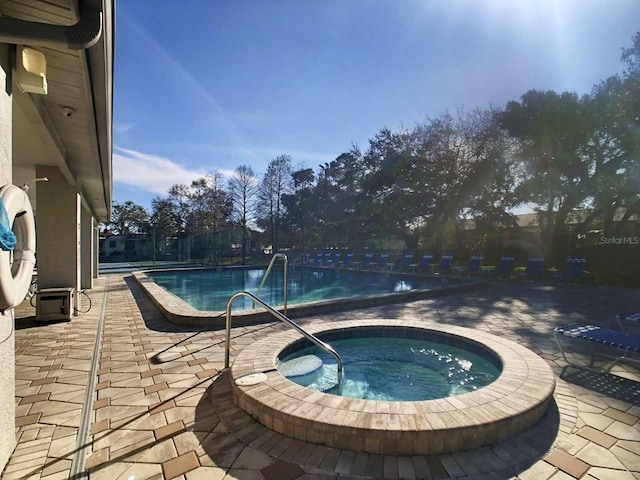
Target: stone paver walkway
x=159, y=405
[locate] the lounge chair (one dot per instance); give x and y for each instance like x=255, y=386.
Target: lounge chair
x=602, y=342
x=504, y=268
x=333, y=261
x=382, y=261
x=533, y=270
x=405, y=263
x=445, y=263
x=366, y=261
x=424, y=265
x=318, y=260
x=346, y=262
x=472, y=268
x=573, y=270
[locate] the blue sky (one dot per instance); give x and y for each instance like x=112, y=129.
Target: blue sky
x=215, y=84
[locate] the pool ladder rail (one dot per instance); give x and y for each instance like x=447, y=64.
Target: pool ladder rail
x=313, y=339
x=285, y=262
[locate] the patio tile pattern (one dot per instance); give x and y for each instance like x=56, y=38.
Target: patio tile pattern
x=161, y=405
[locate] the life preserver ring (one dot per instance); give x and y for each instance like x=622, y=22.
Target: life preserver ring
x=16, y=268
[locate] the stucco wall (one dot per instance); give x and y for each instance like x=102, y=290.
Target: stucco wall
x=58, y=231
x=7, y=339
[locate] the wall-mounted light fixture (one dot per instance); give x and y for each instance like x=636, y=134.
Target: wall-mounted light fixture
x=31, y=70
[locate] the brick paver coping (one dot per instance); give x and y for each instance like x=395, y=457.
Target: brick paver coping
x=511, y=404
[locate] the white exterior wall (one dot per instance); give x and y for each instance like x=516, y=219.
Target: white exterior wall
x=58, y=230
x=7, y=339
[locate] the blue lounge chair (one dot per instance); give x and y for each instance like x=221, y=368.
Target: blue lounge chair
x=366, y=261
x=346, y=262
x=332, y=261
x=533, y=270
x=318, y=260
x=445, y=263
x=602, y=342
x=504, y=268
x=424, y=265
x=473, y=268
x=382, y=261
x=573, y=270
x=405, y=263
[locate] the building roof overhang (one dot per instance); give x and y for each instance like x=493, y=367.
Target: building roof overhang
x=71, y=126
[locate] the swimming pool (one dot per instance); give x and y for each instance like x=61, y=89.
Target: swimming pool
x=199, y=296
x=210, y=289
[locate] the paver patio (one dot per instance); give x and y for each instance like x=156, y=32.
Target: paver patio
x=160, y=407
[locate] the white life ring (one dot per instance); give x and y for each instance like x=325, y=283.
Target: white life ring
x=16, y=268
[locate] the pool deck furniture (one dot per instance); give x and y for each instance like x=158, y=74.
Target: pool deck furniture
x=573, y=270
x=365, y=263
x=382, y=262
x=425, y=264
x=344, y=263
x=533, y=270
x=473, y=268
x=503, y=269
x=606, y=343
x=444, y=266
x=332, y=261
x=405, y=263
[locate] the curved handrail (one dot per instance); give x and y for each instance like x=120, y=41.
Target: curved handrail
x=313, y=339
x=284, y=276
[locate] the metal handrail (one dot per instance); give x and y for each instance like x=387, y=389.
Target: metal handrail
x=313, y=339
x=284, y=276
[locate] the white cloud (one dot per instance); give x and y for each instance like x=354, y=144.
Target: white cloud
x=150, y=173
x=123, y=127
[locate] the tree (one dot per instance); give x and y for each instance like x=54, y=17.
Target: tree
x=165, y=220
x=209, y=205
x=179, y=197
x=301, y=207
x=243, y=190
x=557, y=131
x=345, y=211
x=128, y=218
x=421, y=182
x=202, y=208
x=276, y=183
